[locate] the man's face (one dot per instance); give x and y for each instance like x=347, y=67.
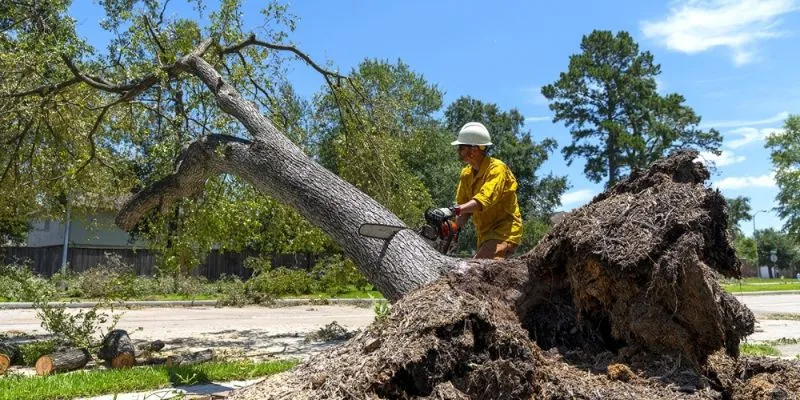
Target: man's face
x=464, y=153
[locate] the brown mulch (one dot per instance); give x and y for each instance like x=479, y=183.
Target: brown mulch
x=619, y=301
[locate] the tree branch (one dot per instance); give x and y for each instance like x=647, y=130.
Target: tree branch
x=44, y=90
x=252, y=41
x=200, y=161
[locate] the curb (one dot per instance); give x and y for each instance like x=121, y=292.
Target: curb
x=198, y=303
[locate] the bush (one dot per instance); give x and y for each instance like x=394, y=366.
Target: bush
x=30, y=352
x=281, y=282
x=234, y=292
x=268, y=283
x=336, y=274
x=68, y=284
x=19, y=283
x=112, y=279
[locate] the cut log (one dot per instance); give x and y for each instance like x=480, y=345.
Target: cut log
x=154, y=346
x=117, y=350
x=9, y=355
x=63, y=361
x=190, y=358
x=149, y=360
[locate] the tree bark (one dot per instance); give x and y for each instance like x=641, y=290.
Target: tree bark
x=275, y=166
x=190, y=358
x=117, y=350
x=64, y=361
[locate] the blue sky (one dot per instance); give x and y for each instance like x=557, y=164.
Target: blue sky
x=735, y=61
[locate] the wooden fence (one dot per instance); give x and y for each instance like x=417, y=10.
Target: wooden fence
x=46, y=261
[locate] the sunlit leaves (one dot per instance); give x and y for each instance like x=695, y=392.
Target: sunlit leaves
x=785, y=154
x=618, y=121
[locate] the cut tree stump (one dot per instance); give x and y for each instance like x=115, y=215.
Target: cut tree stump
x=62, y=361
x=190, y=358
x=117, y=350
x=9, y=354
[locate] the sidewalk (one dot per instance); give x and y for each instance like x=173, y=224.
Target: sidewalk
x=212, y=390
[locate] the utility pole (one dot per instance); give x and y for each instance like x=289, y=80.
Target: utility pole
x=758, y=262
x=65, y=250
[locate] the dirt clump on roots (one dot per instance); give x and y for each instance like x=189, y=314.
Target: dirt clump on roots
x=619, y=301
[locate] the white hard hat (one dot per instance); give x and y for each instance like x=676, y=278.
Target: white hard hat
x=473, y=134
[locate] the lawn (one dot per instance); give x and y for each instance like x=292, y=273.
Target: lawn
x=101, y=382
x=760, y=285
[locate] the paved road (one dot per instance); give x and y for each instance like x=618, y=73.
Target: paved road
x=252, y=330
x=269, y=330
x=772, y=304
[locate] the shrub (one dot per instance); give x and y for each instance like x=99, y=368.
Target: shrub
x=281, y=282
x=19, y=283
x=30, y=352
x=112, y=279
x=337, y=274
x=268, y=283
x=233, y=292
x=68, y=284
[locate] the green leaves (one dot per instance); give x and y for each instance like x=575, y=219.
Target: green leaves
x=372, y=130
x=738, y=210
x=618, y=121
x=785, y=154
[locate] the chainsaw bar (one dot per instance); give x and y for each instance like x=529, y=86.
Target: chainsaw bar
x=379, y=231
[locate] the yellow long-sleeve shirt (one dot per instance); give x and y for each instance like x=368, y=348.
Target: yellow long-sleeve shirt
x=495, y=188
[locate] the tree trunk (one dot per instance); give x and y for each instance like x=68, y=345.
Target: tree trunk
x=117, y=350
x=190, y=358
x=275, y=166
x=9, y=355
x=63, y=361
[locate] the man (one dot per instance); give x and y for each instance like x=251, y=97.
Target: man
x=487, y=191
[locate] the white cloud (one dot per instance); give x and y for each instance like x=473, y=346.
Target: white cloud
x=749, y=182
x=780, y=117
x=576, y=197
x=661, y=86
x=533, y=95
x=694, y=26
x=538, y=119
x=725, y=158
x=748, y=135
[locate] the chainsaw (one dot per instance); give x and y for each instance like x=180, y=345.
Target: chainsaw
x=440, y=229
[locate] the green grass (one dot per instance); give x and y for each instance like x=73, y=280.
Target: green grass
x=749, y=285
x=782, y=341
x=95, y=383
x=372, y=294
x=748, y=349
x=783, y=316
